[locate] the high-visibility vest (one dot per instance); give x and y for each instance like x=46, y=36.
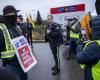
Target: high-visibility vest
x=74, y=35
x=9, y=52
x=95, y=68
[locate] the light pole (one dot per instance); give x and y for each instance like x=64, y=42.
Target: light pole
x=34, y=14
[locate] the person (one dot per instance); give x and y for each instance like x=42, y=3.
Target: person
x=29, y=30
x=53, y=35
x=8, y=31
x=97, y=6
x=88, y=55
x=21, y=25
x=74, y=33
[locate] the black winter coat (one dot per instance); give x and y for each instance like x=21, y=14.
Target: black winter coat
x=55, y=37
x=14, y=32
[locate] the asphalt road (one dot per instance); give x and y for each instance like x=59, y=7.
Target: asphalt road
x=70, y=70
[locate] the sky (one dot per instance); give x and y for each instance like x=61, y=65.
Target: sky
x=31, y=6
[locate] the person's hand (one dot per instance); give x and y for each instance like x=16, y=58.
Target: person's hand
x=48, y=31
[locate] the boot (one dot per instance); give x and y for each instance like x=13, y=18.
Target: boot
x=54, y=68
x=56, y=71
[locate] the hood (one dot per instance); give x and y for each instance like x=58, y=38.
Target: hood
x=96, y=27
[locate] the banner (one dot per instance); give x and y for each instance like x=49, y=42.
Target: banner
x=67, y=11
x=24, y=53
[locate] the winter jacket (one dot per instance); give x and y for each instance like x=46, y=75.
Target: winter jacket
x=91, y=54
x=14, y=32
x=55, y=36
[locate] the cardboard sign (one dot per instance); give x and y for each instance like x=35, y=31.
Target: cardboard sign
x=24, y=53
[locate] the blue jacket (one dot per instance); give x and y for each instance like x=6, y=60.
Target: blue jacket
x=91, y=55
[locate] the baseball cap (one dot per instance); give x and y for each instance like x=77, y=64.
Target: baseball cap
x=9, y=8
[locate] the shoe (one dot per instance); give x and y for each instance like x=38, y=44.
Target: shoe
x=54, y=68
x=56, y=71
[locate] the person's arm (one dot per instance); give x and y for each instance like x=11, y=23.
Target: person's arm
x=46, y=40
x=25, y=31
x=77, y=28
x=73, y=30
x=90, y=55
x=31, y=26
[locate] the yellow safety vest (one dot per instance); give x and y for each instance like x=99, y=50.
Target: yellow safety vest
x=96, y=68
x=9, y=47
x=74, y=35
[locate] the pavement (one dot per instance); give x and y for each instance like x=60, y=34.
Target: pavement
x=69, y=69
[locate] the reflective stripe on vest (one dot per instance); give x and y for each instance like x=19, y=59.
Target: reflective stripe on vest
x=9, y=48
x=7, y=54
x=96, y=71
x=74, y=35
x=95, y=68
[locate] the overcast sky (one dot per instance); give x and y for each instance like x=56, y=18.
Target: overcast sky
x=31, y=6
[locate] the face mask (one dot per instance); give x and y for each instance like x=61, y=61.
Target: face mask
x=12, y=19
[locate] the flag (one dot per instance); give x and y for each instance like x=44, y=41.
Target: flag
x=86, y=25
x=29, y=17
x=31, y=21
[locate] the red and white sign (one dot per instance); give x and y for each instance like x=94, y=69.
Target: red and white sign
x=24, y=53
x=67, y=11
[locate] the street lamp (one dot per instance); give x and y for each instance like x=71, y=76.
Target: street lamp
x=34, y=14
